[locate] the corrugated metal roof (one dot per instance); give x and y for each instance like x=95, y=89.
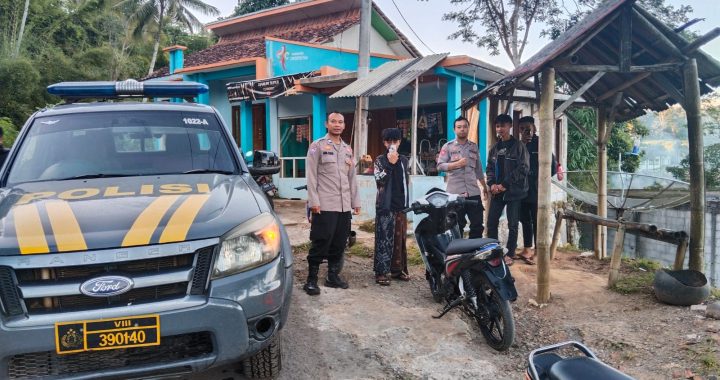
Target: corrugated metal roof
x=390, y=78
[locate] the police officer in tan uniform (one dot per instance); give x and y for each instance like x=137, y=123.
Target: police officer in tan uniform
x=332, y=195
x=461, y=160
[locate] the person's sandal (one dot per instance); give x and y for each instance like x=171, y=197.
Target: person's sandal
x=527, y=260
x=382, y=280
x=401, y=276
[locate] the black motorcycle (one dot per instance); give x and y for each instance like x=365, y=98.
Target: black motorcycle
x=546, y=364
x=262, y=165
x=466, y=273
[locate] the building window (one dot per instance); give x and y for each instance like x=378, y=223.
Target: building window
x=295, y=135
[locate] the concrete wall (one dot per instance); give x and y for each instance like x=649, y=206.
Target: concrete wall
x=350, y=39
x=675, y=219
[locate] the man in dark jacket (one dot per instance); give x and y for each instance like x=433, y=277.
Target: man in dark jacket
x=507, y=169
x=391, y=177
x=3, y=151
x=528, y=209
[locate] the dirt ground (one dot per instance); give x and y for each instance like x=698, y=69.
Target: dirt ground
x=373, y=332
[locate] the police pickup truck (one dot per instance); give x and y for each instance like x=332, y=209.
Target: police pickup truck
x=134, y=242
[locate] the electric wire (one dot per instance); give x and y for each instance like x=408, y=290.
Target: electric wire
x=411, y=29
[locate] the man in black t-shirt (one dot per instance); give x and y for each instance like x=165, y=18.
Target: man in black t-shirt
x=506, y=172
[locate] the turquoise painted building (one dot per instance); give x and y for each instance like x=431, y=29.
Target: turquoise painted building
x=319, y=39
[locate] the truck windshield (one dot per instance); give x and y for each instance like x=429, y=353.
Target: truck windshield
x=126, y=143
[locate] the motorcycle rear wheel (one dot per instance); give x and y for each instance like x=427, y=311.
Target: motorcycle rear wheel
x=494, y=317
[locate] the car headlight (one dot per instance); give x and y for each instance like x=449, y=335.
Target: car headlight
x=249, y=245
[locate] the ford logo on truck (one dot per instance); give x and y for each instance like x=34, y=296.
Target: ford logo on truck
x=106, y=286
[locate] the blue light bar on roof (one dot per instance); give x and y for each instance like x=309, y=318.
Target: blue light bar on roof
x=128, y=88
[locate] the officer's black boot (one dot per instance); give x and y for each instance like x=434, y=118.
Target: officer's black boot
x=333, y=279
x=311, y=285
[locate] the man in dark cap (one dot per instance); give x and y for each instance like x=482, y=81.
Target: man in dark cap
x=391, y=177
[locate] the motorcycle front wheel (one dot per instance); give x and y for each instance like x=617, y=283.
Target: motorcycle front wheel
x=494, y=316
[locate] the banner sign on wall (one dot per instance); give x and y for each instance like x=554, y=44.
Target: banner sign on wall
x=264, y=88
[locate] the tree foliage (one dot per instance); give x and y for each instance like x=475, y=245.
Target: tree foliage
x=504, y=25
x=712, y=168
x=250, y=6
x=583, y=155
x=74, y=40
x=149, y=16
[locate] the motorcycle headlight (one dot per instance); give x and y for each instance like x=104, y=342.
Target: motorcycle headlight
x=249, y=245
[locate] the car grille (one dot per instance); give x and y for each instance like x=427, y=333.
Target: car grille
x=9, y=298
x=172, y=348
x=199, y=262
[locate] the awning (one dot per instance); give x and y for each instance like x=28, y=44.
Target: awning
x=390, y=78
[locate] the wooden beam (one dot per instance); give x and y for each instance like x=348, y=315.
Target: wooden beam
x=592, y=35
x=536, y=83
x=547, y=126
x=580, y=128
x=670, y=66
x=622, y=86
x=617, y=69
x=616, y=257
x=670, y=89
x=556, y=233
x=587, y=68
x=702, y=40
x=578, y=93
x=626, y=38
x=601, y=232
x=697, y=174
x=680, y=254
x=657, y=36
x=610, y=121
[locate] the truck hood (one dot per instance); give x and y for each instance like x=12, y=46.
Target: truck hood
x=79, y=215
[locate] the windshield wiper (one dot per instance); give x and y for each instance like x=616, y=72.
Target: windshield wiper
x=97, y=175
x=201, y=171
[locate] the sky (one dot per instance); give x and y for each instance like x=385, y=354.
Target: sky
x=425, y=17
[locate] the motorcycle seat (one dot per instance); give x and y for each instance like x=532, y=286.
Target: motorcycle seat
x=585, y=368
x=458, y=246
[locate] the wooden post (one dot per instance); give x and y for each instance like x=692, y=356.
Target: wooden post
x=680, y=254
x=601, y=232
x=556, y=233
x=616, y=258
x=547, y=126
x=697, y=174
x=413, y=145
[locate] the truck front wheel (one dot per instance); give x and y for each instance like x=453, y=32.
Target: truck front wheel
x=267, y=363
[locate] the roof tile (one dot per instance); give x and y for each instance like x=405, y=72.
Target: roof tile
x=251, y=43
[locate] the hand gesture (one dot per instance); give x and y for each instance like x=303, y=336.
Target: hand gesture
x=460, y=163
x=393, y=157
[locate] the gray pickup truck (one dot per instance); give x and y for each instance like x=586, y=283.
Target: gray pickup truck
x=134, y=242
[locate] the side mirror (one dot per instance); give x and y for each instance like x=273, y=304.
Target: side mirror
x=264, y=162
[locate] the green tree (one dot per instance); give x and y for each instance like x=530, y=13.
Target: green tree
x=250, y=6
x=712, y=168
x=583, y=155
x=503, y=24
x=150, y=15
